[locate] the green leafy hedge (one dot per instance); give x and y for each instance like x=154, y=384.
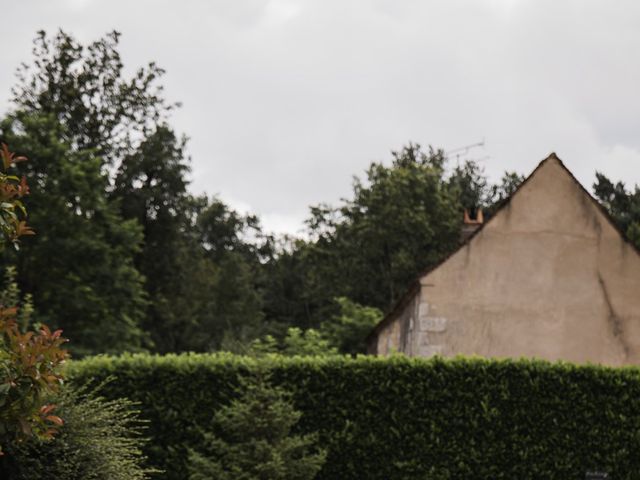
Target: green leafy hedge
x=401, y=418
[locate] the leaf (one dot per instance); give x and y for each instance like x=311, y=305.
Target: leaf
x=45, y=409
x=55, y=419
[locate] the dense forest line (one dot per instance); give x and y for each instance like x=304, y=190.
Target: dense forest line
x=126, y=258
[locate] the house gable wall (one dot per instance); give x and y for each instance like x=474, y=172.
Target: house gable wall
x=548, y=277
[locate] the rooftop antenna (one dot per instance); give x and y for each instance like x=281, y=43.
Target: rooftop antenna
x=463, y=151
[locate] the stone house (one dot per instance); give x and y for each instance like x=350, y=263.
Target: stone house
x=548, y=276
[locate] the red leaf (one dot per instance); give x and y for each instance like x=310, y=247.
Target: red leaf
x=55, y=419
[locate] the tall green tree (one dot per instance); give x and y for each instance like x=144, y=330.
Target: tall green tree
x=78, y=116
x=79, y=268
x=201, y=268
x=402, y=218
x=234, y=247
x=150, y=265
x=84, y=89
x=287, y=296
x=151, y=189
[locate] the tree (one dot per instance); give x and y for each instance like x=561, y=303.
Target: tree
x=402, y=218
x=509, y=183
x=113, y=171
x=251, y=438
x=469, y=185
x=288, y=293
x=622, y=204
x=79, y=116
x=224, y=230
x=348, y=329
x=80, y=268
x=500, y=192
x=296, y=342
x=151, y=189
x=405, y=217
x=233, y=248
x=473, y=190
x=83, y=89
x=402, y=221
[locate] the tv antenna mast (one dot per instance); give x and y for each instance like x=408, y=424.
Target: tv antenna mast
x=463, y=151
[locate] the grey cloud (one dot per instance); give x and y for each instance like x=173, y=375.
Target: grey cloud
x=285, y=100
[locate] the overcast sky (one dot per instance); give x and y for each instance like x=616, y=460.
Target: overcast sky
x=285, y=100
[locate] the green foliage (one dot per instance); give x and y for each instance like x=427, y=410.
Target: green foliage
x=469, y=185
x=112, y=200
x=473, y=190
x=509, y=182
x=251, y=438
x=29, y=360
x=11, y=295
x=348, y=329
x=205, y=291
x=101, y=440
x=225, y=230
x=151, y=189
x=309, y=342
x=79, y=268
x=233, y=246
x=234, y=304
x=291, y=285
x=83, y=88
x=402, y=219
x=398, y=417
x=78, y=116
x=12, y=211
x=296, y=342
x=622, y=204
x=29, y=372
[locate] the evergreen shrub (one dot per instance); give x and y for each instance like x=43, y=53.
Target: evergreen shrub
x=250, y=438
x=101, y=440
x=402, y=418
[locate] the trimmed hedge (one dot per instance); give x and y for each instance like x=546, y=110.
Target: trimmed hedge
x=403, y=418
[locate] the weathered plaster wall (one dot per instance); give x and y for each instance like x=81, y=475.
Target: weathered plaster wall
x=547, y=277
x=395, y=337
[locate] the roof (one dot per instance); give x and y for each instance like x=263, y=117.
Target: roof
x=414, y=286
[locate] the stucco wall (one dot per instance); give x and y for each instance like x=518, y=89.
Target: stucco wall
x=547, y=277
x=397, y=335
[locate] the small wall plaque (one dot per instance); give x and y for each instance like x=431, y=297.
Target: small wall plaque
x=596, y=476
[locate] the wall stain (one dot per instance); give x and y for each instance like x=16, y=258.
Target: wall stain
x=615, y=321
x=590, y=214
x=467, y=256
